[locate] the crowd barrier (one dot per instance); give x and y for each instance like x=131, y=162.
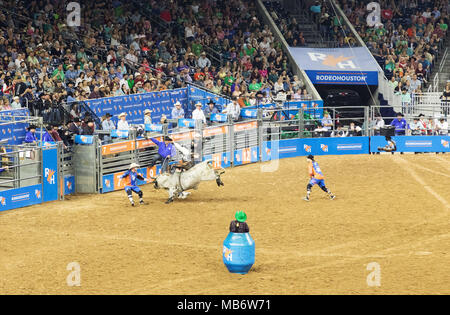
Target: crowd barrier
x=13, y=125
x=162, y=103
x=32, y=174
x=93, y=166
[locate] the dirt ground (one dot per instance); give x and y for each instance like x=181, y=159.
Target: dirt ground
x=391, y=210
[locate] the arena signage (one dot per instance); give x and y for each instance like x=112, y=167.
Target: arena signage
x=337, y=65
x=413, y=143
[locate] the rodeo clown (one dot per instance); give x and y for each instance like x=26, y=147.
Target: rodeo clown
x=390, y=147
x=317, y=177
x=131, y=177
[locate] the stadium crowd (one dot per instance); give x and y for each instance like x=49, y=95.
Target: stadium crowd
x=50, y=67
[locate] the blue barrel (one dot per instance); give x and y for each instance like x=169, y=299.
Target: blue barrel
x=239, y=252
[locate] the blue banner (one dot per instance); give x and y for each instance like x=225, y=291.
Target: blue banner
x=413, y=143
x=219, y=117
x=249, y=113
x=69, y=185
x=153, y=128
x=84, y=139
x=189, y=123
x=119, y=133
x=337, y=65
x=316, y=146
x=21, y=197
x=50, y=176
x=134, y=105
x=246, y=156
x=13, y=132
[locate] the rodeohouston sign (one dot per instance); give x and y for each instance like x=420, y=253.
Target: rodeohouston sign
x=337, y=65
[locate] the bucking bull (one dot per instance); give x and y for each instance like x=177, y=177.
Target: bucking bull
x=180, y=182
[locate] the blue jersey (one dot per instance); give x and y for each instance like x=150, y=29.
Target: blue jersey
x=131, y=178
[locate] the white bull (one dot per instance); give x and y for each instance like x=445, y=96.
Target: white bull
x=178, y=183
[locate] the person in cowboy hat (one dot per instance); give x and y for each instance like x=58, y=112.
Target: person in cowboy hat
x=239, y=225
x=30, y=136
x=131, y=176
x=148, y=117
x=211, y=109
x=166, y=150
x=177, y=111
x=123, y=124
x=198, y=114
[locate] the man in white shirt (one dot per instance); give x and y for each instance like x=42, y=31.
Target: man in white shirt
x=122, y=125
x=148, y=117
x=16, y=103
x=203, y=61
x=441, y=126
x=198, y=113
x=177, y=112
x=379, y=123
x=233, y=109
x=107, y=125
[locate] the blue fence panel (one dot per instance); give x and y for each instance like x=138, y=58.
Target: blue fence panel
x=160, y=103
x=50, y=179
x=413, y=143
x=316, y=146
x=13, y=132
x=21, y=197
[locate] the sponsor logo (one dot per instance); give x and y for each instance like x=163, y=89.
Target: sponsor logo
x=37, y=193
x=50, y=176
x=357, y=146
x=307, y=148
x=3, y=201
x=418, y=143
x=108, y=183
x=445, y=143
x=340, y=61
x=324, y=147
x=227, y=253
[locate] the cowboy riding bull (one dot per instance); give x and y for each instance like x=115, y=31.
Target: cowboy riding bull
x=179, y=182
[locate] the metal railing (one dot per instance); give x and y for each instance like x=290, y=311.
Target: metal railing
x=21, y=166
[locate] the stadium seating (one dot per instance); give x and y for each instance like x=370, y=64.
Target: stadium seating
x=134, y=47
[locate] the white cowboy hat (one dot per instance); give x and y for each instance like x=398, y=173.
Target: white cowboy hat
x=134, y=165
x=147, y=111
x=177, y=103
x=198, y=104
x=122, y=114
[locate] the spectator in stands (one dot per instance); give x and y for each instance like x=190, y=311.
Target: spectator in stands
x=416, y=127
x=122, y=125
x=88, y=128
x=4, y=104
x=148, y=117
x=107, y=125
x=30, y=136
x=327, y=123
x=198, y=113
x=46, y=137
x=210, y=109
x=441, y=126
x=233, y=109
x=16, y=103
x=177, y=111
x=75, y=127
x=379, y=123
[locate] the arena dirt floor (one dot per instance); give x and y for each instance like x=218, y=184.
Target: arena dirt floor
x=390, y=210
